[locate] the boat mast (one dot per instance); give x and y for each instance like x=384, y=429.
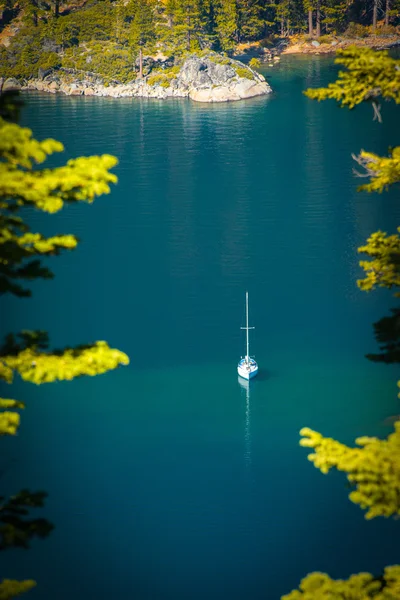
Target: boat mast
x=247, y=357
x=247, y=327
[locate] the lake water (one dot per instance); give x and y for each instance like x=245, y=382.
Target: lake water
x=167, y=479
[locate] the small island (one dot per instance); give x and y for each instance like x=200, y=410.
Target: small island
x=208, y=77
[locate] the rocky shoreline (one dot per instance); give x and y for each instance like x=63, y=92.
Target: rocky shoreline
x=315, y=47
x=211, y=78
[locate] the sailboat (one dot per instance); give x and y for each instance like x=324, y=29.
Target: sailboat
x=247, y=366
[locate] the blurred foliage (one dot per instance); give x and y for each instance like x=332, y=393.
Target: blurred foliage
x=383, y=171
x=23, y=185
x=16, y=529
x=374, y=469
x=387, y=334
x=9, y=421
x=9, y=588
x=369, y=75
x=363, y=586
x=384, y=268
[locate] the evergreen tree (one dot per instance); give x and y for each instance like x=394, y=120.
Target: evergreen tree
x=142, y=32
x=227, y=24
x=289, y=16
x=250, y=22
x=187, y=25
x=335, y=15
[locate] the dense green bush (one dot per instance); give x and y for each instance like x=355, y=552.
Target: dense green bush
x=159, y=79
x=219, y=60
x=355, y=30
x=255, y=63
x=49, y=60
x=105, y=58
x=243, y=72
x=326, y=39
x=385, y=30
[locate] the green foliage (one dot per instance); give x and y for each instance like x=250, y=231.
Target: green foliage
x=81, y=179
x=250, y=23
x=9, y=420
x=142, y=31
x=9, y=588
x=255, y=63
x=188, y=27
x=374, y=469
x=60, y=365
x=363, y=586
x=109, y=60
x=384, y=268
x=49, y=60
x=325, y=39
x=227, y=18
x=334, y=15
x=172, y=71
x=370, y=75
x=16, y=529
x=242, y=72
x=356, y=30
x=383, y=171
x=218, y=59
x=95, y=22
x=162, y=79
x=23, y=185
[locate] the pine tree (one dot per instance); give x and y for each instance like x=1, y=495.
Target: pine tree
x=227, y=24
x=335, y=15
x=142, y=31
x=289, y=16
x=187, y=25
x=250, y=22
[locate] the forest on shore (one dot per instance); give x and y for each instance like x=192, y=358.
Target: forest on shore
x=106, y=36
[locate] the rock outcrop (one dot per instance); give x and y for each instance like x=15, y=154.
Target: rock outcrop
x=212, y=78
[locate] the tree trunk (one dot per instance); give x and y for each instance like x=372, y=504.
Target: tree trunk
x=57, y=8
x=282, y=28
x=310, y=22
x=387, y=10
x=318, y=33
x=140, y=64
x=375, y=15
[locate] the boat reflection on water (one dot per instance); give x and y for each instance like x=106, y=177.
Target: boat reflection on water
x=245, y=385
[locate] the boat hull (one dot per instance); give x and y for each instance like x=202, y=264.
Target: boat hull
x=247, y=371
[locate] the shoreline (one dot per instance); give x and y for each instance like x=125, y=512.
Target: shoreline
x=299, y=45
x=374, y=42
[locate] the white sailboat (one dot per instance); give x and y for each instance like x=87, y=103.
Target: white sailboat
x=247, y=366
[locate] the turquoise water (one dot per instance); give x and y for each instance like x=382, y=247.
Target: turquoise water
x=168, y=479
